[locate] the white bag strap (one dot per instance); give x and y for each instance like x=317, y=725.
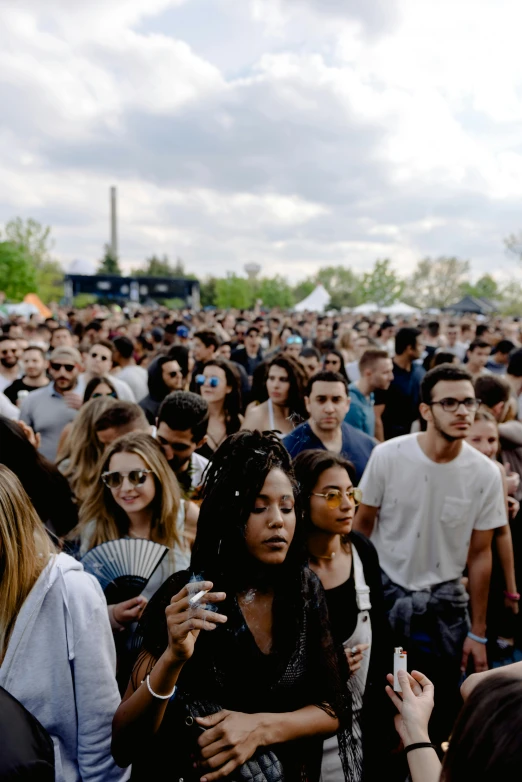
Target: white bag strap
x=361, y=588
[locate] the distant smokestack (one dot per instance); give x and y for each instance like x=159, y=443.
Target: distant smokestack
x=114, y=221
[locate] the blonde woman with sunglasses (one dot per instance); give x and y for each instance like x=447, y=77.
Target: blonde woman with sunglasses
x=348, y=568
x=56, y=648
x=136, y=494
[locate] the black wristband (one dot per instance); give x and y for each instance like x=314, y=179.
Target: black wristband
x=420, y=745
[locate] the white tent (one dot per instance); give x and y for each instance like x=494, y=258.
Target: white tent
x=399, y=308
x=364, y=309
x=317, y=301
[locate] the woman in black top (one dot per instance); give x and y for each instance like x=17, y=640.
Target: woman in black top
x=264, y=668
x=347, y=565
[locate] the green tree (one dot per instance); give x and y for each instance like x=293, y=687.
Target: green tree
x=233, y=291
x=273, y=292
x=17, y=271
x=35, y=237
x=509, y=298
x=382, y=285
x=485, y=288
x=109, y=263
x=35, y=241
x=436, y=282
x=303, y=289
x=155, y=267
x=49, y=281
x=343, y=285
x=208, y=292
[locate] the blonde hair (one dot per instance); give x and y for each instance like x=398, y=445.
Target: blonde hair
x=485, y=414
x=111, y=521
x=25, y=549
x=83, y=450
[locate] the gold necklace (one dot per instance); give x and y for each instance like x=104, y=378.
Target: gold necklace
x=317, y=556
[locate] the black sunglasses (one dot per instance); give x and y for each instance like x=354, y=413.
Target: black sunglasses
x=57, y=367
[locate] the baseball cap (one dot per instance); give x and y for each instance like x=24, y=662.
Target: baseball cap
x=66, y=354
x=182, y=331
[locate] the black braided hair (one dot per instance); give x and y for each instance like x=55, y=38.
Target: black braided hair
x=233, y=481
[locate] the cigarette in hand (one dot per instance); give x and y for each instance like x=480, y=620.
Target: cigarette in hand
x=197, y=597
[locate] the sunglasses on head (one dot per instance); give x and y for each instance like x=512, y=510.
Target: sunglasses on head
x=213, y=381
x=97, y=394
x=113, y=480
x=100, y=356
x=294, y=341
x=334, y=497
x=57, y=367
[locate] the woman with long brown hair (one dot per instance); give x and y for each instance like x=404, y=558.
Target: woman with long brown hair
x=56, y=649
x=220, y=385
x=283, y=408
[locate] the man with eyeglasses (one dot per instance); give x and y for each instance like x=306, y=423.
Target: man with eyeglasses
x=430, y=505
x=47, y=410
x=99, y=362
x=9, y=368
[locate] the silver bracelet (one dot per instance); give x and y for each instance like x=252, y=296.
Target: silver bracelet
x=155, y=694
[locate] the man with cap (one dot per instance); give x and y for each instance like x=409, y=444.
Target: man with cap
x=49, y=409
x=182, y=335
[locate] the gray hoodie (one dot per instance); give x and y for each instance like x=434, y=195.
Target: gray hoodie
x=60, y=664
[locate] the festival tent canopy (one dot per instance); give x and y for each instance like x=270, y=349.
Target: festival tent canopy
x=364, y=309
x=472, y=304
x=399, y=308
x=32, y=298
x=317, y=301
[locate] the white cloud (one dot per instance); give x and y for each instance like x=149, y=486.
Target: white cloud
x=388, y=128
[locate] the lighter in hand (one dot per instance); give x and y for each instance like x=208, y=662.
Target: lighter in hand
x=400, y=663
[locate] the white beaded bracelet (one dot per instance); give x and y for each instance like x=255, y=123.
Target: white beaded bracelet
x=155, y=694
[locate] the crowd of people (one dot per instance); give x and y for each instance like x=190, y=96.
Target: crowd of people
x=216, y=528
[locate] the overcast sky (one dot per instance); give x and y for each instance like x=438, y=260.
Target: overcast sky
x=293, y=133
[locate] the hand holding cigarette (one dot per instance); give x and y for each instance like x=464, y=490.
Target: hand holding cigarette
x=190, y=612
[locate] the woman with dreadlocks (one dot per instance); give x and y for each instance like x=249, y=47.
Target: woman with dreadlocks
x=225, y=676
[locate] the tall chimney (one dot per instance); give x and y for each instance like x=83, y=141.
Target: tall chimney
x=114, y=228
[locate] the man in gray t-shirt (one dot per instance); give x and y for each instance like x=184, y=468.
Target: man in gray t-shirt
x=49, y=409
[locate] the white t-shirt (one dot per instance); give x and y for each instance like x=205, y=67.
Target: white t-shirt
x=429, y=510
x=7, y=408
x=353, y=371
x=198, y=467
x=136, y=378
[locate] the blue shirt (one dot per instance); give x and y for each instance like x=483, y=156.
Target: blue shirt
x=356, y=447
x=361, y=413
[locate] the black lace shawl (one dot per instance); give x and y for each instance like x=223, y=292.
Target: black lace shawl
x=228, y=668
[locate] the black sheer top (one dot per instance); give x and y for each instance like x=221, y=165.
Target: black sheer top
x=228, y=670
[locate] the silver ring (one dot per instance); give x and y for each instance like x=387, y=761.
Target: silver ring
x=354, y=650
